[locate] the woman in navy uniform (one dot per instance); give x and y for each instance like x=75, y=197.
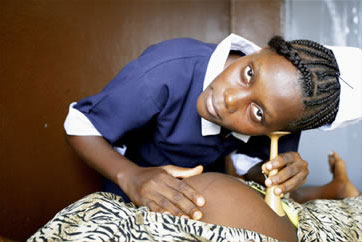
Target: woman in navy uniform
x=187, y=103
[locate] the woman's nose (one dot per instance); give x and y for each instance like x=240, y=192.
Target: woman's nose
x=234, y=98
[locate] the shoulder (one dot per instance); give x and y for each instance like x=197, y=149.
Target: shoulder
x=180, y=48
x=168, y=56
x=175, y=59
x=165, y=68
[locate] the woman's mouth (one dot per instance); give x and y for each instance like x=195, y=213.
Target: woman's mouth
x=210, y=105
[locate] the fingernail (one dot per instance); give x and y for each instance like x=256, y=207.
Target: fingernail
x=278, y=191
x=166, y=212
x=330, y=153
x=200, y=201
x=268, y=182
x=197, y=215
x=269, y=166
x=185, y=216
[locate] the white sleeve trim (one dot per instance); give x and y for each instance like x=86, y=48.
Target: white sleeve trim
x=243, y=163
x=78, y=124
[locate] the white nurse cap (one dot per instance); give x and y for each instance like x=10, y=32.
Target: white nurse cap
x=350, y=68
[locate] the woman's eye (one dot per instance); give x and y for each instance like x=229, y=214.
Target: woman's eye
x=248, y=73
x=257, y=112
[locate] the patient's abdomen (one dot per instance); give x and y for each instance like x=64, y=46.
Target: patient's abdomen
x=229, y=202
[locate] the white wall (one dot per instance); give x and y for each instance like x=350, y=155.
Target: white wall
x=331, y=22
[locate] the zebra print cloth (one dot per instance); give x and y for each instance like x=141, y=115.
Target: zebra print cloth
x=105, y=217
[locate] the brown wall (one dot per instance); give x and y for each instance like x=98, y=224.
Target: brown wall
x=55, y=52
x=257, y=20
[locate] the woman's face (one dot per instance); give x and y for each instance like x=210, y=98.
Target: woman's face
x=255, y=95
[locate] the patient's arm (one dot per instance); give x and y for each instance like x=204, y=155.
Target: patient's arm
x=230, y=202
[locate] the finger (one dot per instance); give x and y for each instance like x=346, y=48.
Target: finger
x=290, y=184
x=282, y=160
x=180, y=201
x=284, y=174
x=268, y=166
x=190, y=193
x=185, y=198
x=197, y=215
x=154, y=207
x=278, y=191
x=182, y=172
x=264, y=169
x=165, y=205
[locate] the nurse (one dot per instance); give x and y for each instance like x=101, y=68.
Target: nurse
x=189, y=104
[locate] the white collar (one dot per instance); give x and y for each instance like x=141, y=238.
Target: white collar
x=216, y=66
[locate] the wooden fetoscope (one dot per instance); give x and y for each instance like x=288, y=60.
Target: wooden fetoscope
x=270, y=198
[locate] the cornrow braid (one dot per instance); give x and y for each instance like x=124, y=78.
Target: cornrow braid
x=319, y=80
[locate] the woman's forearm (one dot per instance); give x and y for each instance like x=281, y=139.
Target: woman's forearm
x=145, y=186
x=101, y=156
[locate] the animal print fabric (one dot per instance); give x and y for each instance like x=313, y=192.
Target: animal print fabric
x=105, y=217
x=330, y=220
x=326, y=220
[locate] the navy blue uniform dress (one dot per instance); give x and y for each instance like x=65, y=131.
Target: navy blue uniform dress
x=150, y=107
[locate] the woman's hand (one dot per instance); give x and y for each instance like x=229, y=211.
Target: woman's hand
x=159, y=189
x=292, y=172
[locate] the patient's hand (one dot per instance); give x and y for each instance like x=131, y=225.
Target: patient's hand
x=160, y=190
x=292, y=172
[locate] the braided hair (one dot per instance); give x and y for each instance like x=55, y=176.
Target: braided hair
x=319, y=80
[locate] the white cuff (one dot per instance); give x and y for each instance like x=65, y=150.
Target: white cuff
x=243, y=163
x=78, y=124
